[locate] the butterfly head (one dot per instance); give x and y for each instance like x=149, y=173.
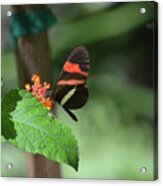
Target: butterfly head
x=50, y=94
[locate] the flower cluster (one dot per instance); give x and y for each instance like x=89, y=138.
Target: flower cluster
x=39, y=91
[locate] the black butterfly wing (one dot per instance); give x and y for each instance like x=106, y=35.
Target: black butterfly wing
x=72, y=97
x=71, y=90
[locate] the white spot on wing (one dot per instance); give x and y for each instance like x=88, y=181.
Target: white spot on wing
x=68, y=96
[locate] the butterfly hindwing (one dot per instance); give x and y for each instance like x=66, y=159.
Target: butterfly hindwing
x=75, y=98
x=71, y=91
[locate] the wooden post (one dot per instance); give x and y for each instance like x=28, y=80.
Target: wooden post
x=33, y=57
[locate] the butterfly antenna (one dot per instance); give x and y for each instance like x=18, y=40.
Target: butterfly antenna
x=71, y=114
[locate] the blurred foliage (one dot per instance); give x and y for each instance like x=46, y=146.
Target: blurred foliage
x=8, y=105
x=101, y=26
x=115, y=129
x=17, y=157
x=9, y=72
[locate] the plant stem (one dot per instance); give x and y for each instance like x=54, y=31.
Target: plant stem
x=33, y=57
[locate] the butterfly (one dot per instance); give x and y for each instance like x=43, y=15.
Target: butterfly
x=71, y=90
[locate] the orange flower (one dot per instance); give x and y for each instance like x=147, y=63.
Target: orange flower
x=27, y=87
x=48, y=103
x=39, y=90
x=35, y=79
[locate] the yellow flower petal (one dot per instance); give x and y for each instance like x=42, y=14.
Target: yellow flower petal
x=27, y=87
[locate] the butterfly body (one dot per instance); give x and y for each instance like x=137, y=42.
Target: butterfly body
x=71, y=91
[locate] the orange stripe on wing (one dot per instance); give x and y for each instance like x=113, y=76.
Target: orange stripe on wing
x=71, y=82
x=74, y=68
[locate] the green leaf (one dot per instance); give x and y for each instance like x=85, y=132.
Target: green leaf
x=39, y=132
x=8, y=104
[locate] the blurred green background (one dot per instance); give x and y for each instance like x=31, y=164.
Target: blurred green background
x=116, y=127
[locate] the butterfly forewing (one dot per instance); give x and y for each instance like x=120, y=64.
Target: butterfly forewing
x=71, y=90
x=76, y=67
